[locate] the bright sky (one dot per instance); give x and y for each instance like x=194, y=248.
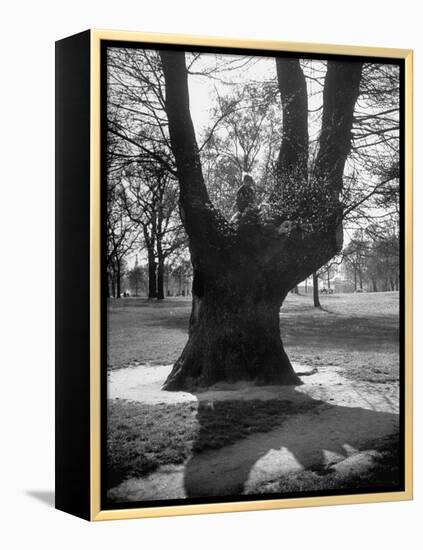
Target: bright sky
x=203, y=89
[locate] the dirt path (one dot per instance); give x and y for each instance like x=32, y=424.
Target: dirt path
x=341, y=434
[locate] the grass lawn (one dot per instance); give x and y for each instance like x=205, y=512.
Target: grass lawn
x=143, y=437
x=146, y=331
x=355, y=333
x=358, y=333
x=384, y=472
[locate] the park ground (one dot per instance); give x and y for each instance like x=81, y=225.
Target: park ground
x=339, y=430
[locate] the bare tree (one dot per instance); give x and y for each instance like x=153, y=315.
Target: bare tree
x=151, y=199
x=141, y=155
x=122, y=237
x=316, y=299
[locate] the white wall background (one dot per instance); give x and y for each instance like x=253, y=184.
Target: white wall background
x=29, y=29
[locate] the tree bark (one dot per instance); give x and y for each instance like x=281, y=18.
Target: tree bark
x=340, y=93
x=243, y=271
x=118, y=280
x=152, y=274
x=180, y=281
x=293, y=154
x=160, y=279
x=234, y=331
x=108, y=293
x=316, y=300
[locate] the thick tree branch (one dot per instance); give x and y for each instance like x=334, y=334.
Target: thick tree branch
x=181, y=129
x=200, y=219
x=293, y=155
x=339, y=97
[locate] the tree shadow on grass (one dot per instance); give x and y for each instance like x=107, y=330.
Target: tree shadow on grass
x=297, y=433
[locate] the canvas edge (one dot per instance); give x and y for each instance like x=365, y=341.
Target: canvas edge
x=97, y=514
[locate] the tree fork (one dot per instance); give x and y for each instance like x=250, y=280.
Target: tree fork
x=241, y=278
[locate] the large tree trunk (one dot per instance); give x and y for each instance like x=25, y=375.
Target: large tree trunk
x=152, y=273
x=244, y=270
x=113, y=280
x=316, y=300
x=160, y=279
x=234, y=331
x=151, y=261
x=118, y=279
x=108, y=280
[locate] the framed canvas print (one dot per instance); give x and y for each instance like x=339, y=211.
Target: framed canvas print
x=234, y=281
